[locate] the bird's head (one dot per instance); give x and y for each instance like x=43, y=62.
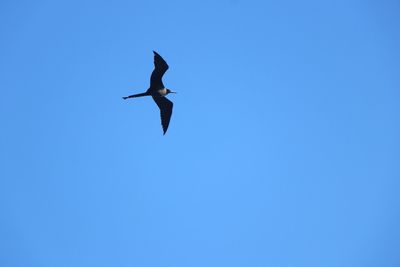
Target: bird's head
x=170, y=92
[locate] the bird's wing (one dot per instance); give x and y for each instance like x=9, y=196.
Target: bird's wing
x=165, y=110
x=160, y=67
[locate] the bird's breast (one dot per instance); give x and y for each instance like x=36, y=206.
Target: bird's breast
x=162, y=92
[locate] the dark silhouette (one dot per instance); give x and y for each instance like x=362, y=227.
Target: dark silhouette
x=158, y=91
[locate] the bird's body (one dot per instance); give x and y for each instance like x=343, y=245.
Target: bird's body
x=163, y=92
x=158, y=91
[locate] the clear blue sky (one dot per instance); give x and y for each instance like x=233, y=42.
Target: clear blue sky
x=283, y=149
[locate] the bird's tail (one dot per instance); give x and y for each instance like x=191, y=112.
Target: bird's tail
x=136, y=95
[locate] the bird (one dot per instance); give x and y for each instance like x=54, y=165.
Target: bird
x=158, y=91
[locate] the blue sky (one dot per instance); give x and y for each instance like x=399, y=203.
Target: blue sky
x=283, y=148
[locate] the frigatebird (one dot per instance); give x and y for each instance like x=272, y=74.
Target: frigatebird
x=158, y=91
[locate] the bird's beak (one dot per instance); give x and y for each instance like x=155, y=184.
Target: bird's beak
x=174, y=92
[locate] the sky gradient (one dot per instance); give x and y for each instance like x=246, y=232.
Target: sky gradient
x=283, y=148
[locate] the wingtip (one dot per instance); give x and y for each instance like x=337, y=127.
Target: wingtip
x=156, y=54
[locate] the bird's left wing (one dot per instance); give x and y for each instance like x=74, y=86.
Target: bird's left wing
x=160, y=67
x=165, y=110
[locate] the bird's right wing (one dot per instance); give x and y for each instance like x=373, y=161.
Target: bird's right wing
x=165, y=110
x=160, y=67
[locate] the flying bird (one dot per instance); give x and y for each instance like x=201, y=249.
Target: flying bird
x=158, y=91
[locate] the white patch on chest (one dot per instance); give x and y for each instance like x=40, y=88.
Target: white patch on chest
x=162, y=92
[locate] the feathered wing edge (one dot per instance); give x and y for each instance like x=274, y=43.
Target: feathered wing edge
x=165, y=107
x=160, y=67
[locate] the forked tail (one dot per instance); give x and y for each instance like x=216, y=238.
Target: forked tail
x=136, y=95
